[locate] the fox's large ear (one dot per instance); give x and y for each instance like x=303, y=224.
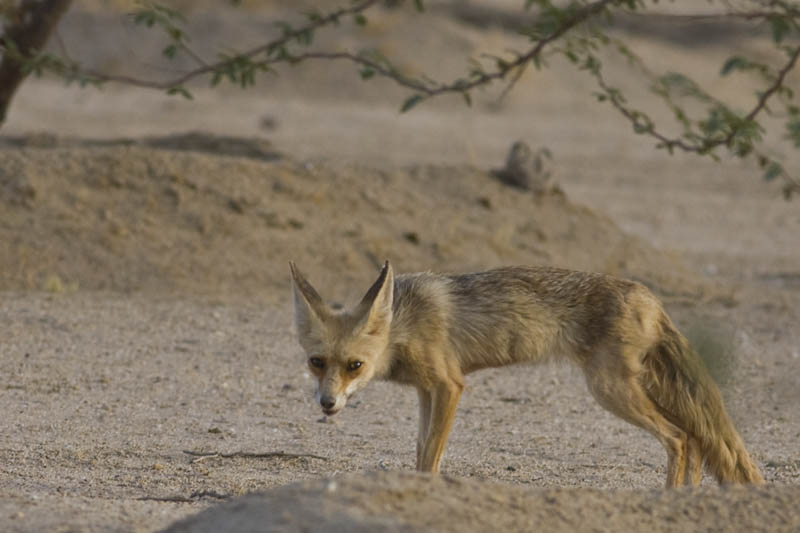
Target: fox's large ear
x=376, y=305
x=308, y=306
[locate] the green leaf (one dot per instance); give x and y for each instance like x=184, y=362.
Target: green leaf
x=180, y=90
x=633, y=5
x=713, y=124
x=773, y=171
x=366, y=73
x=734, y=63
x=170, y=51
x=780, y=27
x=743, y=149
x=410, y=102
x=793, y=126
x=305, y=37
x=169, y=12
x=591, y=63
x=176, y=34
x=285, y=27
x=467, y=98
x=148, y=18
x=419, y=6
x=642, y=127
x=572, y=56
x=360, y=19
x=314, y=16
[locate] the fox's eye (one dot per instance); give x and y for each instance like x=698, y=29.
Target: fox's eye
x=316, y=362
x=352, y=366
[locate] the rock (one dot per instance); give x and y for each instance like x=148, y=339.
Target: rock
x=526, y=169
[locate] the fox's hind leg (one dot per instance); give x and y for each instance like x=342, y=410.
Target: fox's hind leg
x=614, y=382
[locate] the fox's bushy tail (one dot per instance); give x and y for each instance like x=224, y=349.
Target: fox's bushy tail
x=677, y=380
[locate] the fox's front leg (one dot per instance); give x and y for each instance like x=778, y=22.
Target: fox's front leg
x=443, y=401
x=424, y=423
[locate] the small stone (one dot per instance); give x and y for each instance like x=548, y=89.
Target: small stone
x=411, y=236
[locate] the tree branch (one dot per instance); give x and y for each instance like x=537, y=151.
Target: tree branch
x=707, y=143
x=776, y=85
x=383, y=69
x=737, y=131
x=211, y=68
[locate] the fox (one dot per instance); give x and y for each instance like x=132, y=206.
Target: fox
x=429, y=330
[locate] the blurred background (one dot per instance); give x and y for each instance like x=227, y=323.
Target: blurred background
x=321, y=117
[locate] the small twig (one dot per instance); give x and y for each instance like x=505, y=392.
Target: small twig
x=777, y=84
x=173, y=499
x=202, y=456
x=209, y=494
x=62, y=46
x=196, y=495
x=600, y=465
x=194, y=55
x=517, y=75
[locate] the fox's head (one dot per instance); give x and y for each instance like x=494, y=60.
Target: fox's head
x=345, y=348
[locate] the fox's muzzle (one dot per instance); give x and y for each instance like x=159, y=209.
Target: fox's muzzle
x=327, y=403
x=331, y=404
x=334, y=389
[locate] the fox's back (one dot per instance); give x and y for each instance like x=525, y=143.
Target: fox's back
x=517, y=314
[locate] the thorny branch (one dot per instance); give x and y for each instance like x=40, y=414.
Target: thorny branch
x=428, y=89
x=380, y=68
x=210, y=68
x=707, y=144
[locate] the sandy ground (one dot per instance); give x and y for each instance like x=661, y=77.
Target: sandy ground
x=145, y=312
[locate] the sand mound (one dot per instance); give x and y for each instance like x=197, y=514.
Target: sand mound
x=141, y=215
x=403, y=501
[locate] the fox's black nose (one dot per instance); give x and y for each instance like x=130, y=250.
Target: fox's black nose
x=327, y=402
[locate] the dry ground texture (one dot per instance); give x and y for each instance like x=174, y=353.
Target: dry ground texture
x=144, y=310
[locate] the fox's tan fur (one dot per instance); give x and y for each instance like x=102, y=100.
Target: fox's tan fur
x=429, y=330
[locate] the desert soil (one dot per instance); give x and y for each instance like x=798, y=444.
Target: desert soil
x=148, y=369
